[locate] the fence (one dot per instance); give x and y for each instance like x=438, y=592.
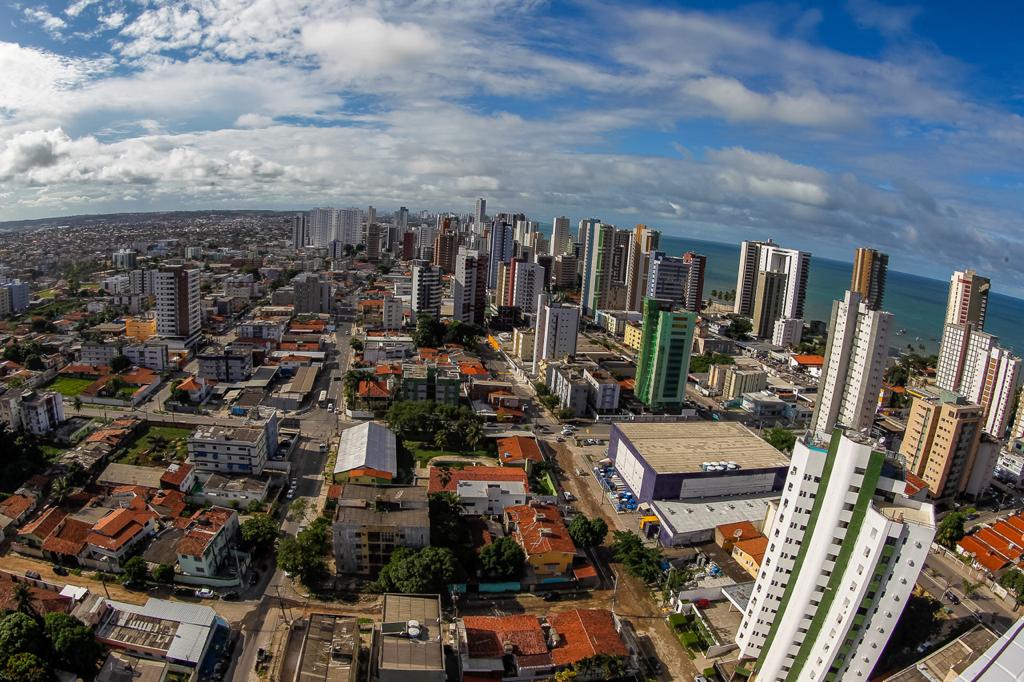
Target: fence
x=974, y=574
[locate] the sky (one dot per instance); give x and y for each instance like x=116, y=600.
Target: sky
x=825, y=126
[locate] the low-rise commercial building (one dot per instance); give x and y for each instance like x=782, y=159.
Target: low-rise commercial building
x=228, y=450
x=408, y=645
x=231, y=365
x=367, y=453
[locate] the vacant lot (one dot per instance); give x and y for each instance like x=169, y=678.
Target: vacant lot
x=69, y=386
x=156, y=445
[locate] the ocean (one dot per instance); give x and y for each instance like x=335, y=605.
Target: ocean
x=918, y=303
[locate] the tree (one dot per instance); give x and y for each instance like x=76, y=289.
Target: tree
x=303, y=555
x=77, y=402
x=26, y=667
x=781, y=439
x=60, y=488
x=297, y=508
x=738, y=328
x=473, y=434
x=23, y=598
x=951, y=528
x=588, y=532
x=429, y=332
x=503, y=559
x=424, y=571
x=350, y=384
x=164, y=573
x=73, y=643
x=135, y=571
x=702, y=363
x=34, y=363
x=448, y=527
x=19, y=632
x=259, y=531
x=356, y=344
x=119, y=363
x=640, y=561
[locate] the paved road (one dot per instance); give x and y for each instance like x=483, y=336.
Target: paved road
x=940, y=574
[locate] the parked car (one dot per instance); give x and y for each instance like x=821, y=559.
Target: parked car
x=206, y=593
x=60, y=570
x=230, y=596
x=551, y=596
x=34, y=575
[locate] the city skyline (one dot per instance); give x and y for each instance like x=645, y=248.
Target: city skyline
x=824, y=128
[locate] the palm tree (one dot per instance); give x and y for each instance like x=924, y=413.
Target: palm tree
x=444, y=475
x=77, y=402
x=473, y=433
x=60, y=488
x=23, y=598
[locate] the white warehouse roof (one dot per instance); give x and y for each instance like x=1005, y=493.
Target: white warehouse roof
x=367, y=446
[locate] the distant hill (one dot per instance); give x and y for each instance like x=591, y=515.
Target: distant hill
x=141, y=217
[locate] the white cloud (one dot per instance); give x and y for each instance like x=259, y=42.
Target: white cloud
x=78, y=6
x=740, y=103
x=49, y=22
x=35, y=79
x=253, y=121
x=364, y=47
x=889, y=20
x=113, y=20
x=167, y=27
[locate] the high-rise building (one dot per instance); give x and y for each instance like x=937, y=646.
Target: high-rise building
x=787, y=332
x=941, y=440
x=994, y=387
x=769, y=299
x=598, y=243
x=402, y=219
x=663, y=362
x=408, y=246
x=300, y=231
x=124, y=259
x=680, y=279
x=548, y=263
x=480, y=216
x=968, y=299
x=854, y=368
x=178, y=316
x=321, y=226
x=502, y=249
x=620, y=256
x=375, y=237
x=426, y=290
x=845, y=547
x=972, y=364
x=312, y=293
x=561, y=238
x=446, y=248
x=564, y=272
x=643, y=243
x=13, y=296
x=371, y=216
x=469, y=286
x=869, y=271
x=528, y=282
x=756, y=257
x=347, y=226
x=556, y=332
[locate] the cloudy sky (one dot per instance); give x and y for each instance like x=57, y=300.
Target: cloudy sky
x=857, y=123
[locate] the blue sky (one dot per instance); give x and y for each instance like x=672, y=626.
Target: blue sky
x=825, y=126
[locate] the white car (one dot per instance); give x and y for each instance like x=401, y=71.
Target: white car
x=206, y=593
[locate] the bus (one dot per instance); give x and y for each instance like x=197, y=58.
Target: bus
x=322, y=400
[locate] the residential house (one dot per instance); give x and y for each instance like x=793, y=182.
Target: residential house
x=541, y=532
x=114, y=536
x=519, y=451
x=371, y=522
x=482, y=490
x=207, y=541
x=750, y=553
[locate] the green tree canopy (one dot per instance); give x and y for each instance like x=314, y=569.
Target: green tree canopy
x=588, y=532
x=164, y=573
x=448, y=527
x=20, y=632
x=73, y=643
x=119, y=363
x=701, y=363
x=428, y=570
x=503, y=559
x=259, y=531
x=640, y=561
x=303, y=556
x=26, y=667
x=739, y=328
x=951, y=527
x=781, y=439
x=135, y=571
x=429, y=333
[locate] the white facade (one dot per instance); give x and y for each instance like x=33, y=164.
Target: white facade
x=124, y=259
x=561, y=237
x=787, y=332
x=642, y=244
x=855, y=364
x=604, y=390
x=228, y=450
x=466, y=286
x=972, y=364
x=393, y=313
x=968, y=299
x=480, y=215
x=36, y=413
x=840, y=565
x=757, y=257
x=557, y=328
x=490, y=497
x=529, y=282
x=426, y=290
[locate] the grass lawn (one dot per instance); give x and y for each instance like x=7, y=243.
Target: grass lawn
x=126, y=393
x=46, y=293
x=424, y=455
x=175, y=443
x=69, y=386
x=51, y=452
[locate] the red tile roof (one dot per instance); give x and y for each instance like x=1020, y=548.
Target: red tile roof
x=373, y=389
x=915, y=484
x=539, y=528
x=42, y=600
x=487, y=636
x=16, y=505
x=745, y=528
x=1016, y=522
x=809, y=360
x=754, y=548
x=982, y=553
x=998, y=543
x=474, y=474
x=45, y=523
x=585, y=633
x=205, y=526
x=518, y=449
x=117, y=529
x=176, y=476
x=69, y=539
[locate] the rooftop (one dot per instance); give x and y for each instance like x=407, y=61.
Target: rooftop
x=400, y=651
x=129, y=474
x=1003, y=661
x=367, y=446
x=480, y=473
x=225, y=433
x=684, y=517
x=540, y=528
x=682, y=447
x=952, y=658
x=519, y=449
x=330, y=651
x=585, y=633
x=175, y=630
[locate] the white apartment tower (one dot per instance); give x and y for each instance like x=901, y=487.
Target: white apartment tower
x=426, y=290
x=845, y=548
x=972, y=364
x=757, y=257
x=469, y=286
x=968, y=299
x=561, y=238
x=557, y=327
x=598, y=243
x=528, y=283
x=855, y=363
x=480, y=215
x=178, y=316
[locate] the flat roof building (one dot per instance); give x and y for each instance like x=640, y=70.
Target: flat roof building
x=330, y=649
x=409, y=646
x=690, y=460
x=689, y=522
